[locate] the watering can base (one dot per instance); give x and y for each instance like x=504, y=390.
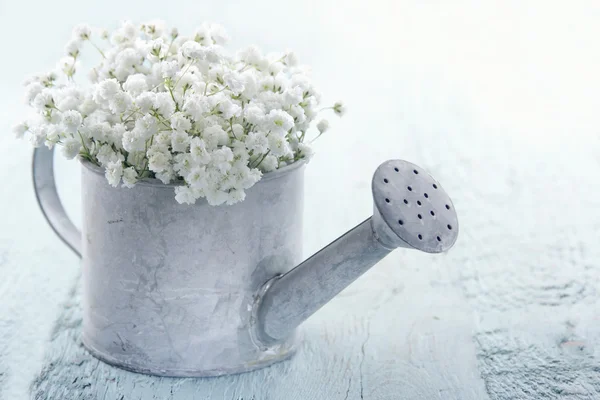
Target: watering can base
x=263, y=359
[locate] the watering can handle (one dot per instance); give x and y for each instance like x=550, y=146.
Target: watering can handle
x=48, y=200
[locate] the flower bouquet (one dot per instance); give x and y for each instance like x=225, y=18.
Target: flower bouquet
x=175, y=108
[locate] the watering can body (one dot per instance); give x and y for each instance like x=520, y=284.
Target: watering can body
x=197, y=290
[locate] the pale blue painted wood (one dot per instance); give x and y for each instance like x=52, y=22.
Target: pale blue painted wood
x=498, y=100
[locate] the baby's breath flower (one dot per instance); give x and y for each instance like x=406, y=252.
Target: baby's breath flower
x=82, y=32
x=32, y=90
x=20, y=129
x=186, y=195
x=180, y=141
x=268, y=164
x=176, y=108
x=136, y=84
x=113, y=173
x=71, y=148
x=339, y=108
x=72, y=47
x=129, y=177
x=71, y=120
x=323, y=125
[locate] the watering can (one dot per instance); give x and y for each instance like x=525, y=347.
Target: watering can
x=196, y=290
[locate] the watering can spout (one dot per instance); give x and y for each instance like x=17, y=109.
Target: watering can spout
x=411, y=210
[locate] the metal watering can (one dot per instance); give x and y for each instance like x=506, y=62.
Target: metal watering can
x=196, y=290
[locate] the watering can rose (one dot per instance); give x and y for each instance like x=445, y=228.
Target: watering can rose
x=177, y=108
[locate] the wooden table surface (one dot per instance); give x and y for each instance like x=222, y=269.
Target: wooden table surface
x=499, y=101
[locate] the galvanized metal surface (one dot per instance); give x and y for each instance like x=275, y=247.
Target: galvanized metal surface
x=425, y=222
x=298, y=294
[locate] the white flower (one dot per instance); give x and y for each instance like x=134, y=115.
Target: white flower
x=72, y=47
x=113, y=173
x=133, y=141
x=292, y=96
x=52, y=136
x=71, y=120
x=229, y=109
x=147, y=125
x=339, y=108
x=32, y=90
x=129, y=177
x=250, y=177
x=237, y=130
x=234, y=82
x=37, y=136
x=166, y=175
x=120, y=102
x=168, y=69
x=186, y=195
x=71, y=147
x=197, y=177
x=180, y=123
x=163, y=138
x=278, y=121
x=82, y=32
x=145, y=101
x=215, y=196
x=202, y=35
x=106, y=155
x=305, y=150
x=43, y=101
x=218, y=34
x=20, y=129
x=115, y=137
x=297, y=113
x=323, y=125
x=268, y=164
x=164, y=104
x=183, y=163
x=278, y=145
x=198, y=151
x=235, y=196
x=214, y=136
x=136, y=84
x=180, y=141
x=158, y=159
x=193, y=51
x=222, y=159
x=88, y=105
x=254, y=114
x=154, y=28
x=251, y=55
x=196, y=105
x=67, y=65
x=105, y=90
x=291, y=59
x=257, y=142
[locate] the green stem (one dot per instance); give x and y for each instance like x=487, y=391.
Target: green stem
x=174, y=101
x=262, y=159
x=218, y=91
x=97, y=48
x=182, y=75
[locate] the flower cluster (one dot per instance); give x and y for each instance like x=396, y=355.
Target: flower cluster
x=177, y=108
